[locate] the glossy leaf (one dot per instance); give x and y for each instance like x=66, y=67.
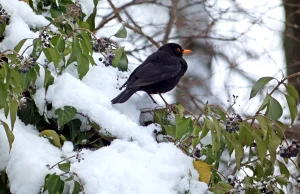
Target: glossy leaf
x=292, y=107
x=65, y=167
x=274, y=109
x=65, y=114
x=54, y=184
x=292, y=91
x=19, y=45
x=77, y=188
x=10, y=136
x=83, y=66
x=13, y=107
x=122, y=32
x=259, y=85
x=52, y=136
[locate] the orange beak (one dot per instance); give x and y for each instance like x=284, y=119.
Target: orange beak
x=186, y=51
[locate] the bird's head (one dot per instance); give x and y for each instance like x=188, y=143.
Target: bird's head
x=174, y=49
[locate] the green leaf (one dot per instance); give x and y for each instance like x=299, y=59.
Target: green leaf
x=29, y=114
x=3, y=94
x=87, y=40
x=120, y=60
x=65, y=114
x=283, y=169
x=265, y=102
x=259, y=85
x=37, y=48
x=184, y=126
x=292, y=91
x=123, y=63
x=54, y=184
x=10, y=136
x=60, y=46
x=274, y=109
x=205, y=130
x=170, y=130
x=52, y=136
x=83, y=66
x=261, y=146
x=292, y=107
x=49, y=79
x=274, y=142
x=263, y=122
x=19, y=45
x=282, y=180
x=239, y=152
x=65, y=167
x=77, y=188
x=52, y=55
x=13, y=107
x=220, y=188
x=76, y=51
x=122, y=32
x=74, y=127
x=196, y=138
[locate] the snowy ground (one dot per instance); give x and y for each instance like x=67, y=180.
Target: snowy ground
x=132, y=164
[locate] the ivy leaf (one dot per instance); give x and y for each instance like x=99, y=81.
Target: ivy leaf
x=60, y=45
x=239, y=152
x=49, y=79
x=283, y=169
x=77, y=188
x=292, y=107
x=170, y=130
x=261, y=146
x=65, y=167
x=204, y=171
x=122, y=32
x=292, y=91
x=76, y=51
x=10, y=136
x=282, y=179
x=65, y=114
x=3, y=94
x=183, y=127
x=220, y=188
x=74, y=127
x=54, y=184
x=274, y=109
x=37, y=48
x=259, y=85
x=83, y=66
x=19, y=45
x=52, y=136
x=120, y=60
x=13, y=107
x=52, y=55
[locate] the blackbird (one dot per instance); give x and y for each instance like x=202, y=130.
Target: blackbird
x=159, y=73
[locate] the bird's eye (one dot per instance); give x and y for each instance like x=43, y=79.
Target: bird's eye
x=178, y=50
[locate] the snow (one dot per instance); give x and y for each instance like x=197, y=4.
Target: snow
x=133, y=163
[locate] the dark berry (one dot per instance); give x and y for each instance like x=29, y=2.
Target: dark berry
x=100, y=59
x=154, y=131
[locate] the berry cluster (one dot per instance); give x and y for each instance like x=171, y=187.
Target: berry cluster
x=46, y=38
x=100, y=45
x=26, y=64
x=110, y=56
x=290, y=151
x=79, y=156
x=4, y=17
x=75, y=11
x=232, y=124
x=232, y=180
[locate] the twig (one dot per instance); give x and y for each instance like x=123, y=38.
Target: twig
x=171, y=21
x=136, y=30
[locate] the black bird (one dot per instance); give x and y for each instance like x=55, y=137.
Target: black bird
x=159, y=73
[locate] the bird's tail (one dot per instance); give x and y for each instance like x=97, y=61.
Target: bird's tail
x=123, y=96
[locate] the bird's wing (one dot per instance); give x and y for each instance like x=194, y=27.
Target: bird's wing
x=153, y=72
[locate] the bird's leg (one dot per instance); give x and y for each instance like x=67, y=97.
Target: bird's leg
x=168, y=106
x=152, y=98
